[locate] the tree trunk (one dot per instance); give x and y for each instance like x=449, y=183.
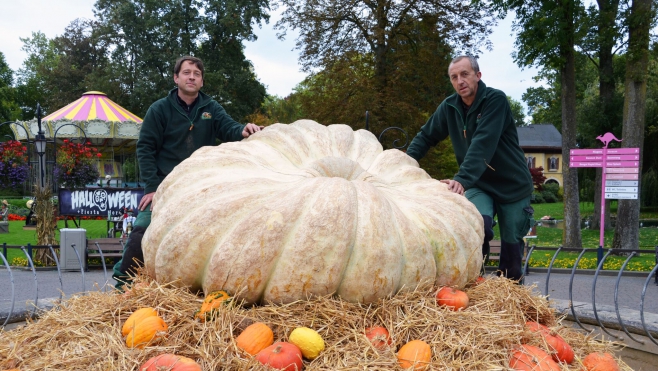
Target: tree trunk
x=628, y=212
x=607, y=15
x=571, y=233
x=378, y=122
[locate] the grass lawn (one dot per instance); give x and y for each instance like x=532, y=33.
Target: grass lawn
x=18, y=236
x=545, y=237
x=552, y=237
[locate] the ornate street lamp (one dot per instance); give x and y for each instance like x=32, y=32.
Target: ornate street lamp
x=40, y=144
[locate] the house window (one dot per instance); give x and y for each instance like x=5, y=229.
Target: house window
x=530, y=160
x=553, y=163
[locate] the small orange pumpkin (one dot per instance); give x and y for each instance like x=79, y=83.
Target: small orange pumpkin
x=561, y=351
x=530, y=358
x=136, y=317
x=378, y=336
x=452, y=298
x=600, y=362
x=147, y=331
x=212, y=302
x=170, y=362
x=255, y=338
x=416, y=354
x=281, y=356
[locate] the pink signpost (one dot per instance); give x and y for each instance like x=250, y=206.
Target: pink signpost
x=620, y=174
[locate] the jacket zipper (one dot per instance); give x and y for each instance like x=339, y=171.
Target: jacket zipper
x=460, y=116
x=469, y=111
x=188, y=117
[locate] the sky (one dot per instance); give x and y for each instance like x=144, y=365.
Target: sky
x=275, y=61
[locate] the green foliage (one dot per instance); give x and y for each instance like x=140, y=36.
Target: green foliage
x=548, y=196
x=552, y=188
x=440, y=161
x=537, y=198
x=129, y=50
x=385, y=57
x=130, y=169
x=649, y=195
x=517, y=111
x=9, y=109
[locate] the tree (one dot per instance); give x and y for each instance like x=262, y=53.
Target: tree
x=338, y=31
x=231, y=78
x=605, y=33
x=342, y=92
x=635, y=93
x=538, y=178
x=147, y=36
x=547, y=34
x=32, y=84
x=517, y=111
x=9, y=110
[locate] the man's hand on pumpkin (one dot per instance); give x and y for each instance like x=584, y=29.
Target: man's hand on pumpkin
x=146, y=199
x=250, y=129
x=454, y=186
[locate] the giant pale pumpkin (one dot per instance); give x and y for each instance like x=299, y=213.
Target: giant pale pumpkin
x=306, y=209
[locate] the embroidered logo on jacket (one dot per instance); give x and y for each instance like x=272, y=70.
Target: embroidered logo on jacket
x=206, y=116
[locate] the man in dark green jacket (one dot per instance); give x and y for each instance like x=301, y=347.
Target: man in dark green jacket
x=174, y=127
x=493, y=173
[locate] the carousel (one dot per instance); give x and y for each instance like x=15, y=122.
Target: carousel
x=94, y=118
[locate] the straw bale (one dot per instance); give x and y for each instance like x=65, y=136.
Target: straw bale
x=84, y=331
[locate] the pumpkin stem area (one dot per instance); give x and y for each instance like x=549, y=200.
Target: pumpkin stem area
x=336, y=167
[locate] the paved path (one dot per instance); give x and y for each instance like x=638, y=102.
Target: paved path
x=629, y=293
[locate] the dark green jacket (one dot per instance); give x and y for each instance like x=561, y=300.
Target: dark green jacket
x=488, y=151
x=168, y=136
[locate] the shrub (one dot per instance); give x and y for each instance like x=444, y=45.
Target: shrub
x=549, y=197
x=553, y=188
x=538, y=198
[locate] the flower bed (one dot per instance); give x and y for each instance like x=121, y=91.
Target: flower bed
x=75, y=165
x=14, y=166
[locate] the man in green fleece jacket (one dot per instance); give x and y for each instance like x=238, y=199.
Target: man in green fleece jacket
x=174, y=127
x=493, y=173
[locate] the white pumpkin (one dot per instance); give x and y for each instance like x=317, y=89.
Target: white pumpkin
x=306, y=209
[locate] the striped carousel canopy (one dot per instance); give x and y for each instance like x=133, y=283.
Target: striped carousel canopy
x=93, y=105
x=93, y=116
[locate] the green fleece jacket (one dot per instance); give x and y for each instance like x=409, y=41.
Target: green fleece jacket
x=485, y=142
x=168, y=136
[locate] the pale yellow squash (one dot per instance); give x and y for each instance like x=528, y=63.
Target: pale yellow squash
x=305, y=209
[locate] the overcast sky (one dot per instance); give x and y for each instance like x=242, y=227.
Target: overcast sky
x=275, y=61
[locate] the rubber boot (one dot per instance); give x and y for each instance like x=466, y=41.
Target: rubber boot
x=132, y=258
x=488, y=236
x=511, y=256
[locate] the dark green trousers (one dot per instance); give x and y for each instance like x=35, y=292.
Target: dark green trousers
x=132, y=250
x=514, y=219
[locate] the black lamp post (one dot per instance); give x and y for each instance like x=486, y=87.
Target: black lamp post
x=40, y=144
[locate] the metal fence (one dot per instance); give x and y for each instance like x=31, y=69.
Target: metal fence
x=630, y=254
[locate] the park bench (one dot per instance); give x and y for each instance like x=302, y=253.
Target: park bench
x=109, y=247
x=494, y=250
